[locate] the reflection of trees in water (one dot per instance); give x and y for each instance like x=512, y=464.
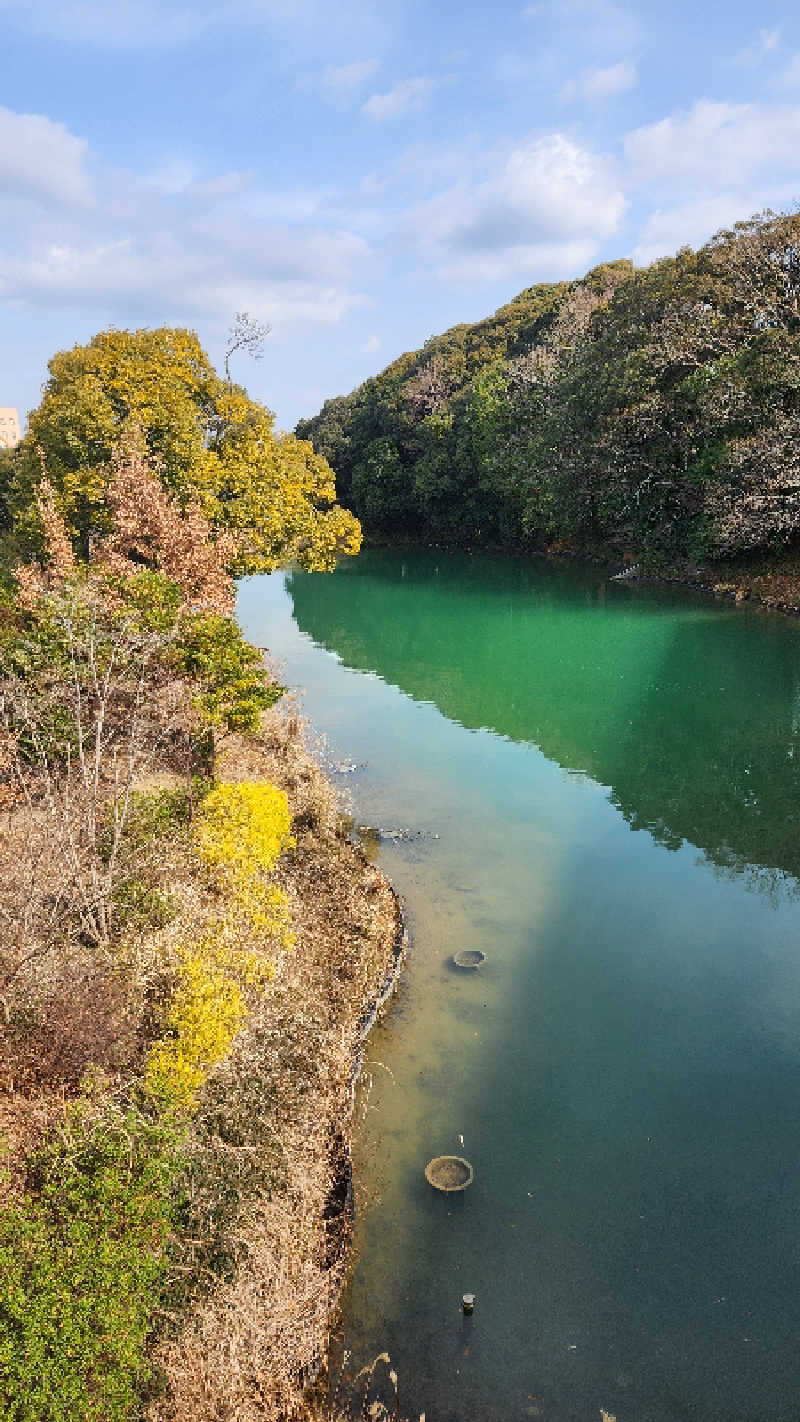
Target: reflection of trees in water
x=690, y=714
x=710, y=756
x=774, y=884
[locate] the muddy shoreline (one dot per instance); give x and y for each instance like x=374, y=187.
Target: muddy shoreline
x=340, y=1205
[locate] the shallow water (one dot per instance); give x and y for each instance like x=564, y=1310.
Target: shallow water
x=603, y=785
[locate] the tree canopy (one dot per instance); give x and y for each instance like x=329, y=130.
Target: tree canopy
x=211, y=445
x=653, y=409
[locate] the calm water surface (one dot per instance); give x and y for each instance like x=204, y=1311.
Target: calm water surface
x=606, y=785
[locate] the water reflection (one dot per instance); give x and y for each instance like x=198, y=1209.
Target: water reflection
x=625, y=1070
x=689, y=712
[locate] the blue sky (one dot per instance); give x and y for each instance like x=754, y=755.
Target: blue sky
x=361, y=175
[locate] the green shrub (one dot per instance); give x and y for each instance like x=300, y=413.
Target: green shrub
x=235, y=683
x=82, y=1259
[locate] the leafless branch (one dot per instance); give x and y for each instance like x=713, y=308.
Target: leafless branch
x=246, y=334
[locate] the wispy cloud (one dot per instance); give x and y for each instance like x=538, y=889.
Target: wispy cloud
x=718, y=143
x=547, y=208
x=596, y=85
x=409, y=96
x=166, y=246
x=765, y=44
x=667, y=229
x=343, y=79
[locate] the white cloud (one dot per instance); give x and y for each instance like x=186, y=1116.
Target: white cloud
x=711, y=166
x=41, y=159
x=373, y=344
x=342, y=79
x=616, y=79
x=725, y=145
x=165, y=280
x=169, y=245
x=692, y=223
x=408, y=96
x=546, y=210
x=192, y=273
x=597, y=84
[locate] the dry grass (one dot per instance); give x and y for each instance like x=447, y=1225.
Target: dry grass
x=262, y=1239
x=104, y=894
x=81, y=1014
x=270, y=1152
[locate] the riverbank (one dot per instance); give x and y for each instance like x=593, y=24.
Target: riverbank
x=773, y=582
x=253, y=1344
x=236, y=1207
x=193, y=952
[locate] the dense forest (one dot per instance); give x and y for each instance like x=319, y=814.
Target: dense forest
x=652, y=411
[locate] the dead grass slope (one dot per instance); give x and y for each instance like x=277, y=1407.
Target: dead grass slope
x=265, y=1242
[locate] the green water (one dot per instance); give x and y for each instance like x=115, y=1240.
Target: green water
x=605, y=782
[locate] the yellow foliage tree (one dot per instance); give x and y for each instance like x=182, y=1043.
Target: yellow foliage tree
x=212, y=445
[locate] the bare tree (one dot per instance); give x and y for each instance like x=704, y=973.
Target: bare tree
x=63, y=843
x=91, y=705
x=428, y=391
x=246, y=334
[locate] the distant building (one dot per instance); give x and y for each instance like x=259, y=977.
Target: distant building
x=9, y=427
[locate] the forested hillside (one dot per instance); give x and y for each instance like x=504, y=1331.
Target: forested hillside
x=653, y=410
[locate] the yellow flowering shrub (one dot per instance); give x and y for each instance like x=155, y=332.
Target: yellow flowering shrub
x=206, y=1013
x=240, y=833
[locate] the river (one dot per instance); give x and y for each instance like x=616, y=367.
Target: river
x=601, y=788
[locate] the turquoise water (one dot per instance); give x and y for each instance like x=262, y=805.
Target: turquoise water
x=602, y=782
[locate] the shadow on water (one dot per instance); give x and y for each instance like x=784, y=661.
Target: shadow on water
x=623, y=1071
x=689, y=712
x=630, y=1111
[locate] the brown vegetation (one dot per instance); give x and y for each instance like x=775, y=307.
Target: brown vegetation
x=279, y=1108
x=112, y=733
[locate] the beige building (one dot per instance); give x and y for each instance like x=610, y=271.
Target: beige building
x=10, y=433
